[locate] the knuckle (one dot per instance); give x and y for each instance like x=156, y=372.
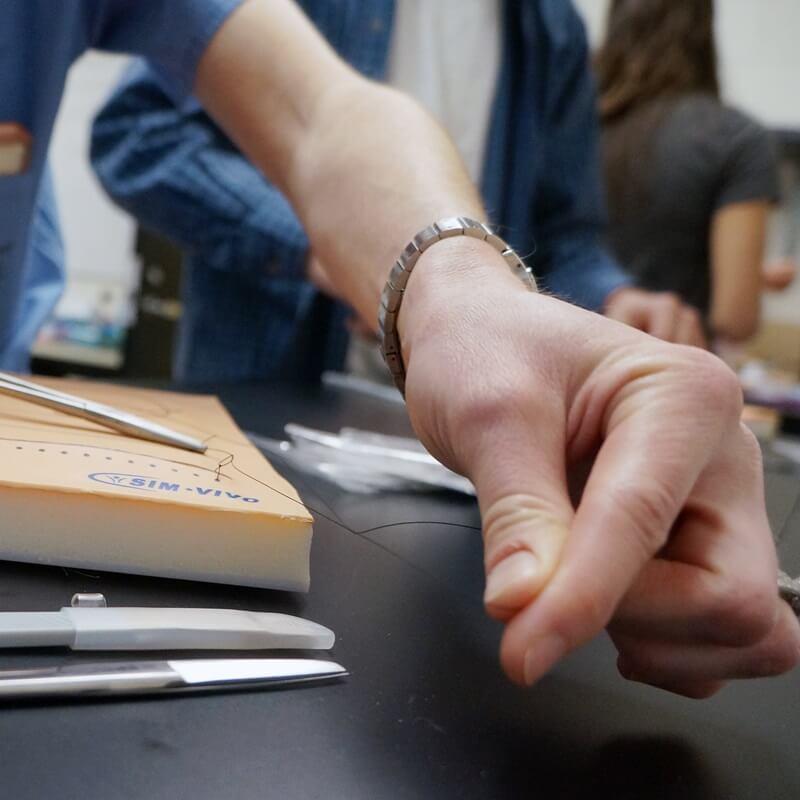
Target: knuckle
x=642, y=665
x=693, y=315
x=743, y=612
x=714, y=384
x=781, y=658
x=618, y=301
x=693, y=321
x=670, y=301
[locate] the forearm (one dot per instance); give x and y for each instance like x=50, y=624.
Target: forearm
x=364, y=167
x=738, y=234
x=364, y=196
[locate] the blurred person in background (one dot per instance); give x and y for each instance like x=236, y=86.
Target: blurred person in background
x=522, y=116
x=690, y=181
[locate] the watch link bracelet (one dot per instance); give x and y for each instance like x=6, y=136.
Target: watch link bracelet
x=392, y=296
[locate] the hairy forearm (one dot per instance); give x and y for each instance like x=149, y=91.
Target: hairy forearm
x=364, y=166
x=367, y=186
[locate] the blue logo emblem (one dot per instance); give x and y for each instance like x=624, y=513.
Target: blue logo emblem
x=129, y=481
x=147, y=483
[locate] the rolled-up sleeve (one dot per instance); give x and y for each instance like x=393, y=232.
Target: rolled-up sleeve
x=749, y=171
x=177, y=173
x=583, y=272
x=171, y=34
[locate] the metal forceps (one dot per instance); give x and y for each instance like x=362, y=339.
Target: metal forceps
x=789, y=589
x=109, y=416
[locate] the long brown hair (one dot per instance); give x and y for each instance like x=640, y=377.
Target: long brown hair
x=653, y=49
x=655, y=52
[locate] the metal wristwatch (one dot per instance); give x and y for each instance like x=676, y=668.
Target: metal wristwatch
x=392, y=295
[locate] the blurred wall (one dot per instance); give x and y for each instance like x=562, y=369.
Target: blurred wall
x=97, y=236
x=759, y=54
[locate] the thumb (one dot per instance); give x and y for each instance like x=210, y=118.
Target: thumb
x=522, y=489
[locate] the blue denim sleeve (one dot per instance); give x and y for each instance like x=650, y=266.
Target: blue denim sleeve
x=177, y=173
x=584, y=273
x=569, y=209
x=172, y=34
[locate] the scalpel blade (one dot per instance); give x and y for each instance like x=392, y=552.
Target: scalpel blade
x=149, y=677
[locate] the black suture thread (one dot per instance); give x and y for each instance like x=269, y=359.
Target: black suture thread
x=232, y=463
x=228, y=460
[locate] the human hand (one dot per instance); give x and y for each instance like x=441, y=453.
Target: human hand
x=669, y=545
x=779, y=274
x=661, y=314
x=319, y=277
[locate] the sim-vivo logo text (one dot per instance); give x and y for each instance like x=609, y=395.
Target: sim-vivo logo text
x=148, y=484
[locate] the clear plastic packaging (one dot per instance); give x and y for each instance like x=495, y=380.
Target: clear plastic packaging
x=363, y=461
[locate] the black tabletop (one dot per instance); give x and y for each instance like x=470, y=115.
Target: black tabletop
x=426, y=712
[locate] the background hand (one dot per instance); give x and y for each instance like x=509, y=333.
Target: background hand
x=661, y=314
x=779, y=274
x=318, y=276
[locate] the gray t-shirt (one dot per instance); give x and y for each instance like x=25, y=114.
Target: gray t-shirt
x=703, y=156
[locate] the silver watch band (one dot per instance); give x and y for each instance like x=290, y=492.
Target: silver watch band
x=392, y=296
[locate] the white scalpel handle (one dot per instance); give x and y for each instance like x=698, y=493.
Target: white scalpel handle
x=83, y=628
x=192, y=628
x=35, y=629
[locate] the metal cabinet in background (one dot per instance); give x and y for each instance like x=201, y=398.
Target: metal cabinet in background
x=151, y=339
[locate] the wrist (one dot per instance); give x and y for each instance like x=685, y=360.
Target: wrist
x=449, y=279
x=464, y=261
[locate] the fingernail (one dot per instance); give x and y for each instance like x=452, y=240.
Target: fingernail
x=511, y=582
x=541, y=655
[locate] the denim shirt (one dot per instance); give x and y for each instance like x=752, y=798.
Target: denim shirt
x=248, y=313
x=39, y=40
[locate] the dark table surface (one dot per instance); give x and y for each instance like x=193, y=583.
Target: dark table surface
x=426, y=712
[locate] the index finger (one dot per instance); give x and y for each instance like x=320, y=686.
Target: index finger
x=661, y=434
